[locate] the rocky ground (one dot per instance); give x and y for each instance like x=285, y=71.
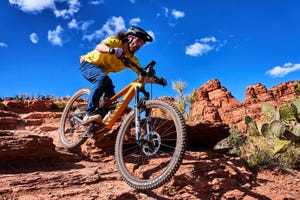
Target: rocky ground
x=37, y=167
x=202, y=175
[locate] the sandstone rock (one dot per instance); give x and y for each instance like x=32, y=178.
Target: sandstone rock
x=4, y=113
x=15, y=106
x=284, y=92
x=10, y=121
x=2, y=106
x=30, y=147
x=214, y=103
x=19, y=106
x=39, y=105
x=257, y=92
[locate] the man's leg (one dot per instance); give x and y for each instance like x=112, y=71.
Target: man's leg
x=96, y=76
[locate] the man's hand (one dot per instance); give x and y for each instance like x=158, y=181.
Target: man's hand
x=163, y=81
x=116, y=51
x=149, y=79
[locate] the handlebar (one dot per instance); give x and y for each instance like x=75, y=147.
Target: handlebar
x=147, y=71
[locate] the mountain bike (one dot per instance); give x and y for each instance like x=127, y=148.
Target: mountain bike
x=151, y=140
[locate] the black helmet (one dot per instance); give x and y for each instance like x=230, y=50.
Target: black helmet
x=140, y=33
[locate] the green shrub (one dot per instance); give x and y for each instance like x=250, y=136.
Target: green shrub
x=272, y=142
x=58, y=104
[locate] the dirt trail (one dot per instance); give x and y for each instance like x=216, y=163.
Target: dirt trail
x=202, y=175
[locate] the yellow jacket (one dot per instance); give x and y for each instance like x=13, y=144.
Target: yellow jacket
x=109, y=63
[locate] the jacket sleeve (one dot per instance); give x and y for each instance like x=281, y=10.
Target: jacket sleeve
x=137, y=62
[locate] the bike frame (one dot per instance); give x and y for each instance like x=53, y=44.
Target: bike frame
x=128, y=92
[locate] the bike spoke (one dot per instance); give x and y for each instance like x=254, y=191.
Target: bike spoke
x=168, y=146
x=150, y=162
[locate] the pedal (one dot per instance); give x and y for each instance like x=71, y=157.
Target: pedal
x=94, y=130
x=89, y=131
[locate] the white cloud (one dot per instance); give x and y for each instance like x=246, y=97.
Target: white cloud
x=2, y=44
x=35, y=6
x=84, y=25
x=172, y=15
x=34, y=38
x=281, y=71
x=204, y=45
x=66, y=13
x=81, y=25
x=197, y=49
x=208, y=39
x=166, y=10
x=96, y=2
x=73, y=24
x=177, y=14
x=111, y=27
x=55, y=37
x=135, y=21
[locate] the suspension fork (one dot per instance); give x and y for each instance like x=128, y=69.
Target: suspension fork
x=139, y=104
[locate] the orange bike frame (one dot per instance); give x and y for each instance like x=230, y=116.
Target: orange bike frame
x=128, y=92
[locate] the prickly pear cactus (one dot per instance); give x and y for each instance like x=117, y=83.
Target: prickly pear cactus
x=296, y=130
x=270, y=112
x=286, y=112
x=266, y=131
x=282, y=123
x=279, y=146
x=289, y=135
x=251, y=126
x=297, y=103
x=277, y=128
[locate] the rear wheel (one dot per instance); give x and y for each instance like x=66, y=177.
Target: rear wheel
x=71, y=131
x=154, y=161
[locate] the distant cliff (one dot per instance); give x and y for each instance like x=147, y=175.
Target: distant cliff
x=214, y=103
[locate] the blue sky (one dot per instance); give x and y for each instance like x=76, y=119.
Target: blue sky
x=239, y=42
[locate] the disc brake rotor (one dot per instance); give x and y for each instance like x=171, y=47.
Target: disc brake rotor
x=151, y=147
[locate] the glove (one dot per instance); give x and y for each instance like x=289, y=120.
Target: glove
x=163, y=81
x=116, y=51
x=148, y=79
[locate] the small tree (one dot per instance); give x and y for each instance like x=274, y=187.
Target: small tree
x=181, y=99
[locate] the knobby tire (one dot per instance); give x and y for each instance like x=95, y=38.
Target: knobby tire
x=142, y=171
x=71, y=132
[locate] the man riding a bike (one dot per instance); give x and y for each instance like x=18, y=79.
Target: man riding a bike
x=151, y=140
x=97, y=64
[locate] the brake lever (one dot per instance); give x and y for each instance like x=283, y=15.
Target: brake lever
x=162, y=81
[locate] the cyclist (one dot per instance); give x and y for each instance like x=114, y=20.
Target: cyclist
x=97, y=64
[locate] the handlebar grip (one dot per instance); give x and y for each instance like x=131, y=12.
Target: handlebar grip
x=151, y=64
x=162, y=81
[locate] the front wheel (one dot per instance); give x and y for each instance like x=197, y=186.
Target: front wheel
x=71, y=131
x=151, y=163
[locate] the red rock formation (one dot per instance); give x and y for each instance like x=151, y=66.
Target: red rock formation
x=26, y=147
x=214, y=103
